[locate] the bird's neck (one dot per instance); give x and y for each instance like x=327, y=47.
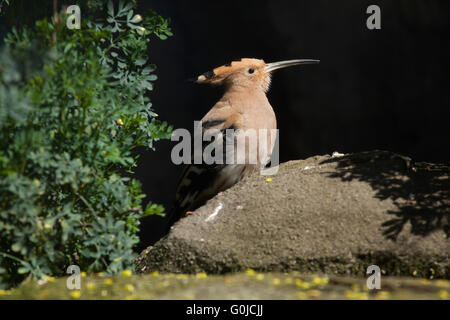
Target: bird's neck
x=245, y=93
x=253, y=104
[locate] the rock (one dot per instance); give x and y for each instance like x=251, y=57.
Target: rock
x=333, y=214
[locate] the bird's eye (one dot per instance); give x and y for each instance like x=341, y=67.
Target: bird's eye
x=251, y=70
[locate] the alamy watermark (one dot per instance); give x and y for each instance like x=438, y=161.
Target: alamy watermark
x=373, y=281
x=74, y=280
x=73, y=17
x=373, y=22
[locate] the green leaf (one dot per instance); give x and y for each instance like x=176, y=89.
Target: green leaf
x=110, y=8
x=140, y=61
x=129, y=15
x=23, y=270
x=65, y=156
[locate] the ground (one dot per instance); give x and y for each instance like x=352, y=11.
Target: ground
x=246, y=285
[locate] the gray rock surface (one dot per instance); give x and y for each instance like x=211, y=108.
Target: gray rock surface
x=323, y=214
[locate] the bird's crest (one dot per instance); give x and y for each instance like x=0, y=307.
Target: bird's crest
x=247, y=72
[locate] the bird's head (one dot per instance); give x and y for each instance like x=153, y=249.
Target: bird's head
x=247, y=72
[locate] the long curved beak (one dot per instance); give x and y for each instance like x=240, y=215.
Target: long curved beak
x=288, y=63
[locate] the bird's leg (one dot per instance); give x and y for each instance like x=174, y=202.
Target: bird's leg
x=188, y=213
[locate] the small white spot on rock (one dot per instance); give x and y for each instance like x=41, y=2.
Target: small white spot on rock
x=215, y=212
x=239, y=207
x=308, y=167
x=336, y=154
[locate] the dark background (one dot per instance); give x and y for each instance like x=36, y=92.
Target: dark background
x=374, y=89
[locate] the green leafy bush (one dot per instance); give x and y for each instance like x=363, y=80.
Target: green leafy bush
x=72, y=112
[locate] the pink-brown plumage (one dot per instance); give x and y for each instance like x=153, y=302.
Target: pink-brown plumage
x=243, y=106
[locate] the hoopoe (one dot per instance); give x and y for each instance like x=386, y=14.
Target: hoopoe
x=243, y=106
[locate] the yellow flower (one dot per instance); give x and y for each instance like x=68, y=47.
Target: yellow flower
x=155, y=273
x=356, y=295
x=109, y=281
x=119, y=122
x=201, y=275
x=259, y=276
x=443, y=294
x=127, y=273
x=269, y=180
x=75, y=294
x=49, y=278
x=298, y=282
x=129, y=287
x=250, y=272
x=90, y=285
x=276, y=281
x=3, y=292
x=320, y=281
x=305, y=285
x=83, y=274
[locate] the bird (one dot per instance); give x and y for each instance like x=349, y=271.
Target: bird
x=243, y=106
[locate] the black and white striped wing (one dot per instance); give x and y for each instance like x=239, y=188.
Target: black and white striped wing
x=201, y=182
